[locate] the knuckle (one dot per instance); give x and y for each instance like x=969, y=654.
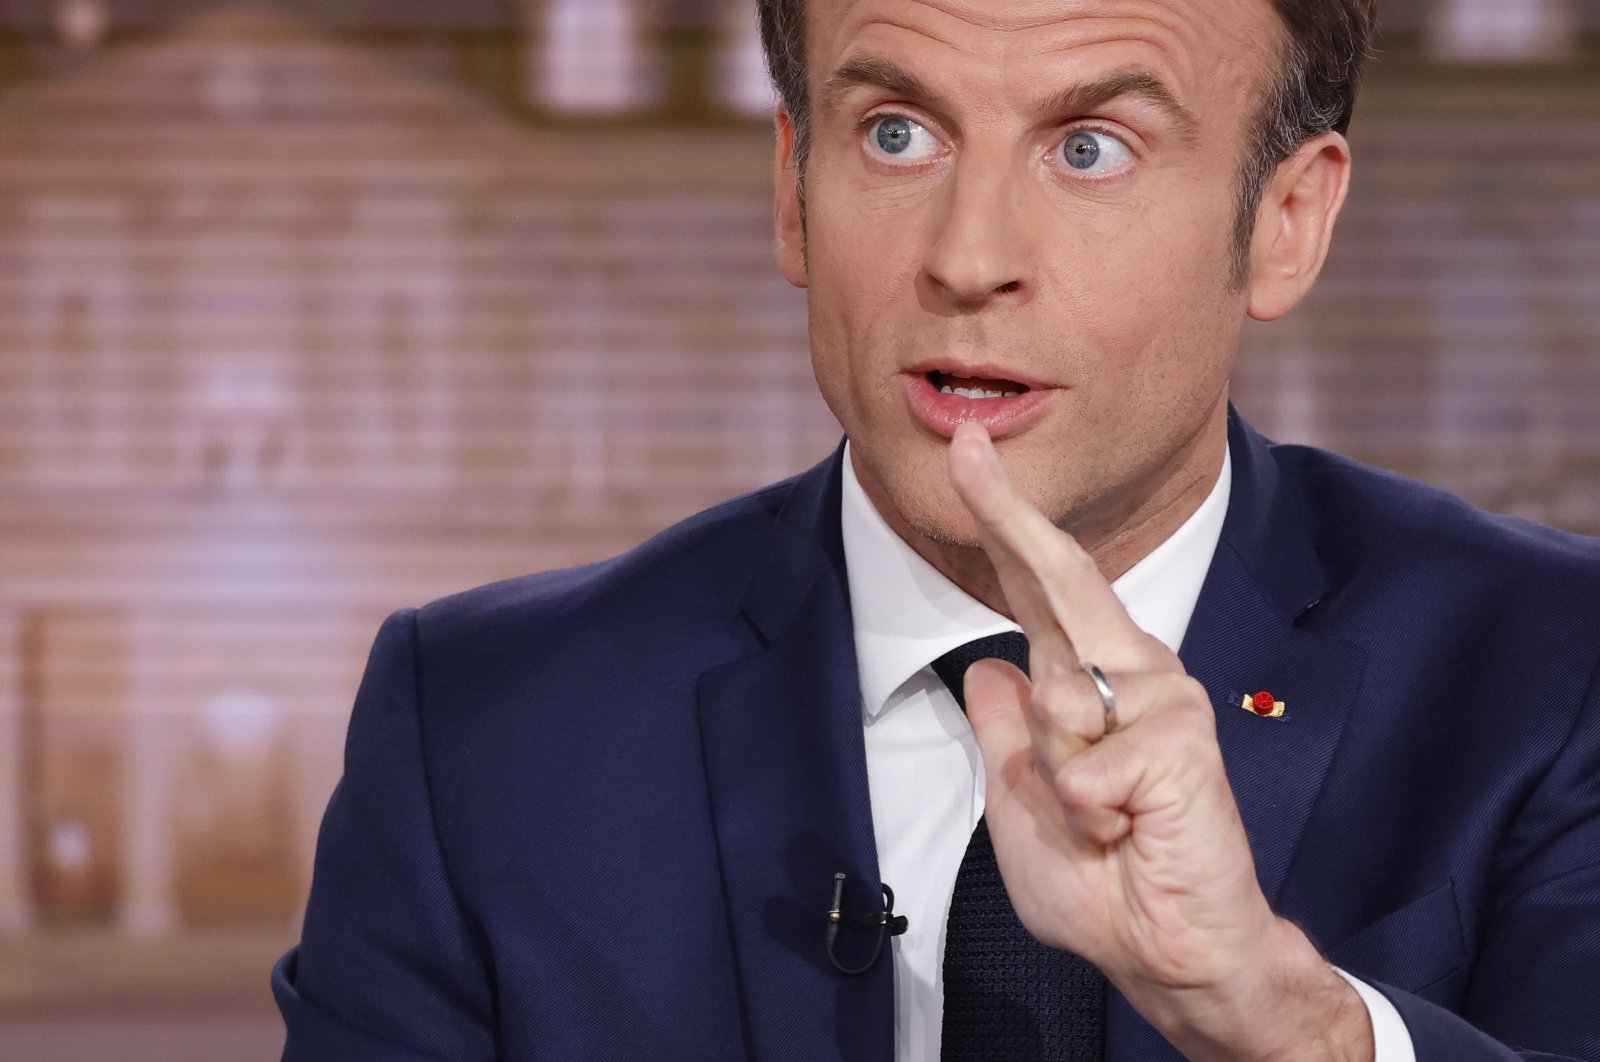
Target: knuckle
x=1191, y=736
x=1194, y=704
x=1073, y=786
x=1184, y=694
x=1171, y=732
x=1160, y=658
x=1065, y=561
x=1164, y=726
x=1055, y=702
x=1193, y=692
x=1052, y=572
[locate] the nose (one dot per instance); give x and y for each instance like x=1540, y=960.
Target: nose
x=981, y=253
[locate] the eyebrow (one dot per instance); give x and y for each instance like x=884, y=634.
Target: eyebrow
x=1074, y=99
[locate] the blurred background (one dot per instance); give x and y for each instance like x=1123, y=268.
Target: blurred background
x=311, y=309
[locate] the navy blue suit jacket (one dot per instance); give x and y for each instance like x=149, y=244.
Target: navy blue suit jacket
x=596, y=813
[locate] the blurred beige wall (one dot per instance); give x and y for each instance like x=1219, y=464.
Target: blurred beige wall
x=308, y=312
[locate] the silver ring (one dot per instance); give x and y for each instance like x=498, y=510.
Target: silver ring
x=1108, y=700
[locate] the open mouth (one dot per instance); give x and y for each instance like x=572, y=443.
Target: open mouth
x=943, y=399
x=972, y=387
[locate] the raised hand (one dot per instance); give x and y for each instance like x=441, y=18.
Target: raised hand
x=1125, y=845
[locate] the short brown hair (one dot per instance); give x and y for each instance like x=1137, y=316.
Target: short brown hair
x=1315, y=91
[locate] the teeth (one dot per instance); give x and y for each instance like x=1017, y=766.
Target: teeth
x=976, y=392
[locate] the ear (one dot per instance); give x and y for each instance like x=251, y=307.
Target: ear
x=1295, y=224
x=787, y=216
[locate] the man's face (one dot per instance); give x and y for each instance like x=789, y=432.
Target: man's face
x=1036, y=198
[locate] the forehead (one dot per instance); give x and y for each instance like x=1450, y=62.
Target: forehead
x=1205, y=51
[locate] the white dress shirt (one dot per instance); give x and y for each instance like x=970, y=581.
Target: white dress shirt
x=924, y=770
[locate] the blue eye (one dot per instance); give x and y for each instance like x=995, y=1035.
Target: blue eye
x=894, y=135
x=1090, y=152
x=902, y=138
x=1082, y=151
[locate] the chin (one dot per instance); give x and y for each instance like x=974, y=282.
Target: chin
x=927, y=503
x=914, y=483
x=912, y=471
x=950, y=534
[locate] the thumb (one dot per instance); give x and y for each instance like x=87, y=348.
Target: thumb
x=997, y=705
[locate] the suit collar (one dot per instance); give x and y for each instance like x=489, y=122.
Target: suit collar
x=1268, y=525
x=804, y=545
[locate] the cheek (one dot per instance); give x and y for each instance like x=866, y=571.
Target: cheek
x=867, y=244
x=864, y=260
x=1148, y=288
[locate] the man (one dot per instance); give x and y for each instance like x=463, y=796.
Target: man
x=1306, y=759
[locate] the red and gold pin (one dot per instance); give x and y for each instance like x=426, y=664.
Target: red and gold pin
x=1263, y=704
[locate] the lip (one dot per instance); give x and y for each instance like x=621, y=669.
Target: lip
x=976, y=370
x=942, y=414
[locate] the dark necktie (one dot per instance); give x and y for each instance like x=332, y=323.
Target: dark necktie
x=1007, y=997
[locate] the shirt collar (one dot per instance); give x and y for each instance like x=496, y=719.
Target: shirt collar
x=907, y=614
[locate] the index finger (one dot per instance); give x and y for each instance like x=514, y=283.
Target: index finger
x=1048, y=578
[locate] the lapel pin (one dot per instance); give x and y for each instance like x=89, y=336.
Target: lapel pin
x=1263, y=704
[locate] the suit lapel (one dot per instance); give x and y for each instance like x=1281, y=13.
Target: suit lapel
x=1254, y=629
x=1251, y=632
x=1276, y=766
x=786, y=770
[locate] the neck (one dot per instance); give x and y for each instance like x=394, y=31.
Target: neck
x=1118, y=530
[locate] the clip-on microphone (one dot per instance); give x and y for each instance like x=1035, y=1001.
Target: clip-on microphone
x=886, y=922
